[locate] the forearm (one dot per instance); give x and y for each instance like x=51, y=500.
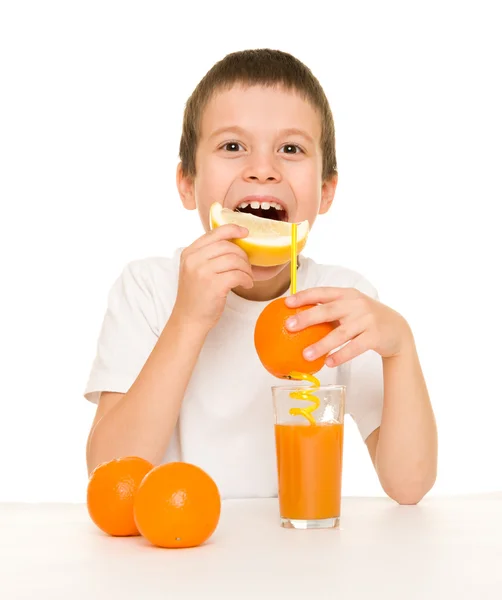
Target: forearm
x=142, y=422
x=406, y=456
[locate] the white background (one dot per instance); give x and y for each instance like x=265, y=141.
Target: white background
x=91, y=102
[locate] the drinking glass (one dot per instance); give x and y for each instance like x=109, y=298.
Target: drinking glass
x=309, y=447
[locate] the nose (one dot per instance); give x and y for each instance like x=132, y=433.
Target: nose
x=261, y=169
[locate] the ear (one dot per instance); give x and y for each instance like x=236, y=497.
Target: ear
x=328, y=193
x=185, y=186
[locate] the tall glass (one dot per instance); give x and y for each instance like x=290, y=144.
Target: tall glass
x=309, y=449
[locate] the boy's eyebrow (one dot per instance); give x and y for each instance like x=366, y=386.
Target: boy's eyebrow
x=228, y=129
x=296, y=131
x=241, y=131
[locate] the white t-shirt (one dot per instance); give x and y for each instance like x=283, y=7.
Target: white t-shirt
x=226, y=421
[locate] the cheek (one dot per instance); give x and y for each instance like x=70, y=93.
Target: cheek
x=306, y=177
x=214, y=177
x=307, y=187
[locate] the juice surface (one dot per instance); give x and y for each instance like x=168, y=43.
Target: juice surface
x=309, y=463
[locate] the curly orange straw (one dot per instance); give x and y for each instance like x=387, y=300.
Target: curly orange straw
x=306, y=394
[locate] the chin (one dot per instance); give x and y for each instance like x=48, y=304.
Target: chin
x=266, y=273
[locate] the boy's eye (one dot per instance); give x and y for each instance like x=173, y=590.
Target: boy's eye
x=291, y=149
x=231, y=146
x=286, y=149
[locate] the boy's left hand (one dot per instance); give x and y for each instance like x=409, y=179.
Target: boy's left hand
x=364, y=322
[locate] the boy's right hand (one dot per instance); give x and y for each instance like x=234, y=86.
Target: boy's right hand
x=209, y=269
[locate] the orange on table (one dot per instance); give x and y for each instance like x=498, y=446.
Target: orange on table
x=280, y=350
x=177, y=506
x=110, y=494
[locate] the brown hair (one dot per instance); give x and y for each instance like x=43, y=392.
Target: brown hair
x=257, y=67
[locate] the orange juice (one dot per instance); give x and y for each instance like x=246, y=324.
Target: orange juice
x=309, y=464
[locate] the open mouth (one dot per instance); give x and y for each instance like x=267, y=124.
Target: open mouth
x=265, y=210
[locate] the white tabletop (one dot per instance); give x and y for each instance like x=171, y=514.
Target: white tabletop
x=443, y=548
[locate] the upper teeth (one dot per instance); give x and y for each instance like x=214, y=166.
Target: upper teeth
x=264, y=205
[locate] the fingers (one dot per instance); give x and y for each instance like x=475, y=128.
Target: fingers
x=221, y=248
x=355, y=347
x=235, y=278
x=204, y=258
x=338, y=337
x=229, y=231
x=322, y=313
x=317, y=295
x=217, y=258
x=231, y=262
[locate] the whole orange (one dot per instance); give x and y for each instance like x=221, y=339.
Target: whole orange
x=110, y=494
x=177, y=506
x=280, y=350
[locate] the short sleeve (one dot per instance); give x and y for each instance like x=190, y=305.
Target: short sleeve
x=128, y=334
x=364, y=400
x=365, y=387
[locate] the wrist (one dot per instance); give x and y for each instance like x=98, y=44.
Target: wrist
x=193, y=327
x=406, y=347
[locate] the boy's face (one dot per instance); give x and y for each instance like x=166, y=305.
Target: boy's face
x=259, y=145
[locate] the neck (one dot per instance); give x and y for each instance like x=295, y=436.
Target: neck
x=267, y=289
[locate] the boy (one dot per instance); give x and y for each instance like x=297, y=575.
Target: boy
x=176, y=374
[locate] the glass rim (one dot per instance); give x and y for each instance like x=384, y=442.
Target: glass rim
x=308, y=385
